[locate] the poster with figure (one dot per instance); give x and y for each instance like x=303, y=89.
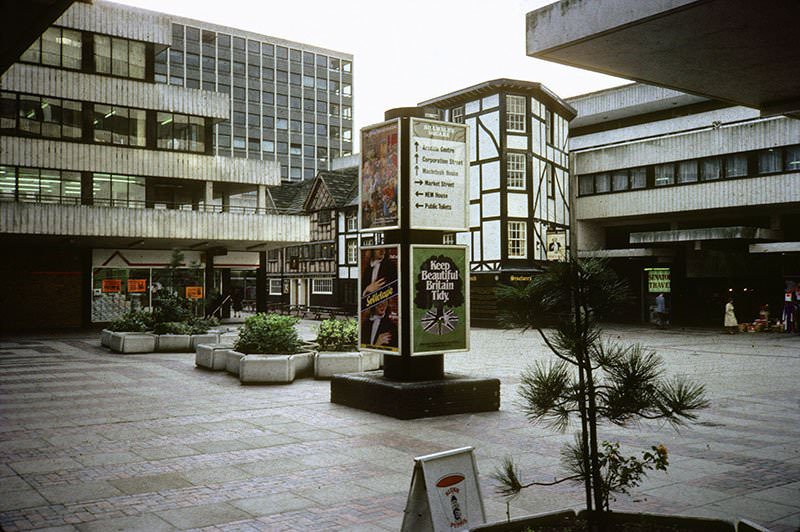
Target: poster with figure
x=444, y=494
x=379, y=306
x=440, y=309
x=380, y=177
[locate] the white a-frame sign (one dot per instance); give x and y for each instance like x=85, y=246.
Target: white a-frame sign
x=444, y=493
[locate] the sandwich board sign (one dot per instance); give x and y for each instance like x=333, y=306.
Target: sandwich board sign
x=444, y=493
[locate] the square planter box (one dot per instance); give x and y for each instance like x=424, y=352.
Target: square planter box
x=129, y=342
x=173, y=343
x=264, y=369
x=232, y=361
x=205, y=338
x=329, y=363
x=105, y=337
x=212, y=356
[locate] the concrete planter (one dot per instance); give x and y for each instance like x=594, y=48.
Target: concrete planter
x=232, y=361
x=212, y=356
x=329, y=363
x=130, y=342
x=105, y=337
x=210, y=337
x=173, y=343
x=273, y=369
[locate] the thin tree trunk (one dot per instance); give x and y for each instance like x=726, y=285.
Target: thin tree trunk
x=581, y=360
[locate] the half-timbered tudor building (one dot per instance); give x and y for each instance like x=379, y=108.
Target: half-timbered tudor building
x=318, y=274
x=519, y=182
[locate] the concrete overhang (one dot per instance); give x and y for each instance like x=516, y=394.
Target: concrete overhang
x=22, y=24
x=705, y=233
x=776, y=247
x=625, y=253
x=738, y=51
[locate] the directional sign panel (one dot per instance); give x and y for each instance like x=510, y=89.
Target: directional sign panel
x=439, y=170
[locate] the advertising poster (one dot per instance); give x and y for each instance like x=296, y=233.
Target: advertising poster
x=444, y=493
x=137, y=286
x=557, y=245
x=194, y=292
x=439, y=167
x=440, y=310
x=110, y=286
x=380, y=176
x=379, y=307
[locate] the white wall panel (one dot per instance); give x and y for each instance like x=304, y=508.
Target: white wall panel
x=473, y=138
x=472, y=107
x=491, y=175
x=491, y=101
x=517, y=142
x=491, y=240
x=491, y=204
x=474, y=181
x=474, y=215
x=477, y=247
x=517, y=205
x=487, y=148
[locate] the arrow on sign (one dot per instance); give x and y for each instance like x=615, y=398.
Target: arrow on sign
x=418, y=205
x=416, y=171
x=418, y=182
x=418, y=193
x=416, y=146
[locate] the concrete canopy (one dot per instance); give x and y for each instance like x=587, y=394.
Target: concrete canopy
x=738, y=51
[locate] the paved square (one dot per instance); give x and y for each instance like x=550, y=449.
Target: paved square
x=92, y=440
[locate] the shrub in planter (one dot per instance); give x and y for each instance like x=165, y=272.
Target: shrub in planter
x=201, y=325
x=169, y=306
x=134, y=321
x=269, y=333
x=338, y=335
x=172, y=327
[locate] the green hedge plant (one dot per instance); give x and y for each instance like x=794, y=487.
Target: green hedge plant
x=269, y=334
x=133, y=321
x=172, y=327
x=338, y=335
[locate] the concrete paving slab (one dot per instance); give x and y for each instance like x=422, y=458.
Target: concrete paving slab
x=150, y=483
x=84, y=491
x=273, y=504
x=205, y=515
x=146, y=523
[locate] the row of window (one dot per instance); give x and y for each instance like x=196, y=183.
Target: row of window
x=734, y=165
x=322, y=286
x=39, y=116
x=516, y=116
x=64, y=48
x=516, y=173
x=36, y=185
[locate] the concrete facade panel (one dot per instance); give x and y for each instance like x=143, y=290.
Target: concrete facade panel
x=36, y=153
x=755, y=135
x=128, y=22
x=69, y=220
x=767, y=190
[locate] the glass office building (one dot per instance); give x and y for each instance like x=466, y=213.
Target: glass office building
x=290, y=102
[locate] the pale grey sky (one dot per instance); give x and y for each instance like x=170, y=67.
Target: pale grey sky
x=405, y=51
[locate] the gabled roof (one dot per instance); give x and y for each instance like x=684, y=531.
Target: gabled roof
x=291, y=197
x=341, y=185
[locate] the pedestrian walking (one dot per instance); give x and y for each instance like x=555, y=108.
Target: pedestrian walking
x=730, y=317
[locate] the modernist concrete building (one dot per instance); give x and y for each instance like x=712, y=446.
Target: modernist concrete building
x=104, y=169
x=676, y=186
x=519, y=182
x=290, y=102
x=703, y=181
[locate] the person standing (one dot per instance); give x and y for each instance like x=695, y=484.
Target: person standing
x=730, y=317
x=661, y=310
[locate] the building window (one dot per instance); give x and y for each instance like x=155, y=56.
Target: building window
x=515, y=113
x=769, y=161
x=602, y=183
x=687, y=172
x=40, y=117
x=184, y=133
x=792, y=159
x=710, y=169
x=57, y=47
x=112, y=190
x=736, y=165
x=449, y=239
x=549, y=126
x=119, y=57
x=619, y=181
x=275, y=287
x=457, y=114
x=586, y=185
x=664, y=174
x=517, y=240
x=352, y=222
x=40, y=185
x=352, y=251
x=515, y=170
x=322, y=286
x=638, y=177
x=119, y=125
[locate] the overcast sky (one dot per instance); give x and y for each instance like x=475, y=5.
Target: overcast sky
x=404, y=51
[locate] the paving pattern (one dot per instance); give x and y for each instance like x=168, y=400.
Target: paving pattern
x=95, y=441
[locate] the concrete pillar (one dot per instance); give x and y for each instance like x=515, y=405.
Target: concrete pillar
x=209, y=194
x=261, y=206
x=261, y=282
x=226, y=201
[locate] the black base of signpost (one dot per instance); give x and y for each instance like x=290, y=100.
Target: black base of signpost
x=452, y=394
